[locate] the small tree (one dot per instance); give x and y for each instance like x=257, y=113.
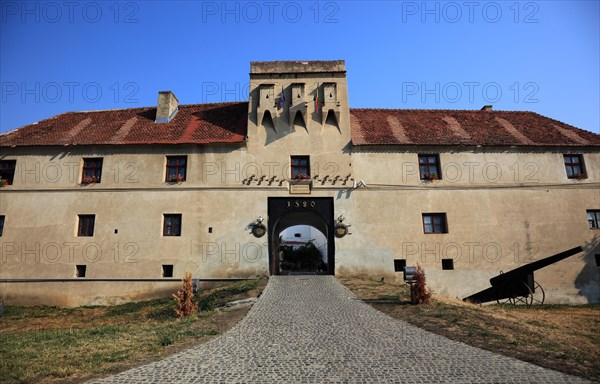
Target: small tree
x=184, y=296
x=418, y=290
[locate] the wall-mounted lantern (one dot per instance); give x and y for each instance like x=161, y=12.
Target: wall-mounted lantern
x=258, y=228
x=341, y=229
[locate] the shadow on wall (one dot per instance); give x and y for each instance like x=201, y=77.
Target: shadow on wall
x=588, y=280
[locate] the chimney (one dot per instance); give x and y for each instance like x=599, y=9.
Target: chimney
x=167, y=107
x=487, y=108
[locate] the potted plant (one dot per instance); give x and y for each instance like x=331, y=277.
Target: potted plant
x=301, y=178
x=3, y=182
x=86, y=180
x=177, y=178
x=430, y=177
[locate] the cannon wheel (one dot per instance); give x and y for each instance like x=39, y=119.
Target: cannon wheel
x=536, y=297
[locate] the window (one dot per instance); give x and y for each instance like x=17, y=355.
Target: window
x=435, y=223
x=176, y=168
x=167, y=270
x=80, y=270
x=429, y=167
x=7, y=171
x=86, y=225
x=92, y=171
x=1, y=225
x=300, y=167
x=597, y=256
x=399, y=265
x=447, y=264
x=574, y=166
x=172, y=225
x=594, y=219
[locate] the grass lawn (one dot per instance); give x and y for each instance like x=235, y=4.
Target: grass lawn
x=48, y=344
x=560, y=337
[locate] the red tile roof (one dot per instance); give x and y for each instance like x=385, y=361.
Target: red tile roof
x=226, y=123
x=193, y=124
x=455, y=127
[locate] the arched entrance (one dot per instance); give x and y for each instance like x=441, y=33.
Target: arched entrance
x=314, y=254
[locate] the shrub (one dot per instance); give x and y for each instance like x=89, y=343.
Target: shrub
x=184, y=296
x=418, y=290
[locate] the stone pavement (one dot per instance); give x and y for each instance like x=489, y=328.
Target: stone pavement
x=311, y=329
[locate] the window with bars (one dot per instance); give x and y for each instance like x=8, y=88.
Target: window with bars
x=7, y=172
x=574, y=166
x=176, y=168
x=429, y=167
x=172, y=224
x=594, y=218
x=92, y=171
x=300, y=167
x=435, y=223
x=86, y=225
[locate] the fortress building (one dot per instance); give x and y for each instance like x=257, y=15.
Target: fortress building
x=110, y=206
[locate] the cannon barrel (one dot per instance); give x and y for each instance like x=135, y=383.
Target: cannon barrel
x=519, y=281
x=521, y=272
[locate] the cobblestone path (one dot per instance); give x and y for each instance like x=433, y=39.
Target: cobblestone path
x=311, y=329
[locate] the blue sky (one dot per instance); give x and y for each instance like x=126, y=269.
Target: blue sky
x=541, y=56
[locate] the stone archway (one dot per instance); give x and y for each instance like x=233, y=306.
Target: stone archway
x=313, y=212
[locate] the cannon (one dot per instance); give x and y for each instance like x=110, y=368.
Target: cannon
x=518, y=285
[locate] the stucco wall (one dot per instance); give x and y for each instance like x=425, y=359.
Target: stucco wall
x=504, y=207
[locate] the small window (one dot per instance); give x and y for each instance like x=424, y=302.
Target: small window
x=176, y=169
x=447, y=264
x=435, y=223
x=92, y=171
x=172, y=224
x=399, y=265
x=167, y=270
x=86, y=225
x=300, y=167
x=429, y=167
x=574, y=166
x=209, y=229
x=297, y=235
x=597, y=256
x=80, y=270
x=594, y=219
x=1, y=225
x=7, y=172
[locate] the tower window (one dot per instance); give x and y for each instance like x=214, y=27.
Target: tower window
x=300, y=167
